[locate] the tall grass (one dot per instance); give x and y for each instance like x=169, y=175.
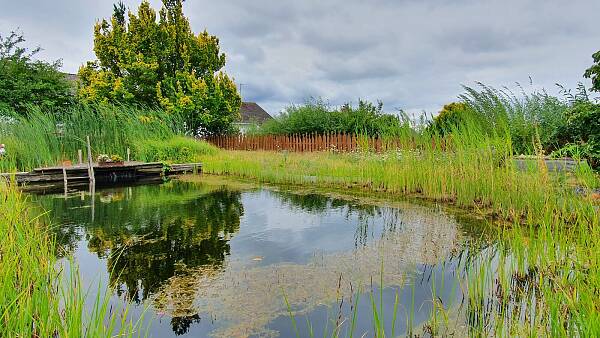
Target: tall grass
x=527, y=116
x=37, y=297
x=42, y=138
x=547, y=261
x=178, y=149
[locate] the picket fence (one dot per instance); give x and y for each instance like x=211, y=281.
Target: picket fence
x=312, y=142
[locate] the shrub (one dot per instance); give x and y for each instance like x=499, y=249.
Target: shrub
x=316, y=116
x=24, y=80
x=581, y=133
x=175, y=150
x=449, y=118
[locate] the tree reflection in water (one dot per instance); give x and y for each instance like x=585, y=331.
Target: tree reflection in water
x=159, y=241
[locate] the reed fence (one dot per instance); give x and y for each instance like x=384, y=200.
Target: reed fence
x=314, y=142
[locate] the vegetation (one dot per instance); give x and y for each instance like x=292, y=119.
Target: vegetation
x=145, y=61
x=449, y=118
x=176, y=150
x=25, y=81
x=538, y=122
x=39, y=139
x=531, y=119
x=593, y=72
x=316, y=116
x=581, y=131
x=548, y=231
x=38, y=297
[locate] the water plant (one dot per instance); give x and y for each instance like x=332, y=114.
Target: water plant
x=542, y=277
x=43, y=138
x=41, y=296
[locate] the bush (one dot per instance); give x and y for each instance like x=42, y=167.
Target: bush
x=316, y=116
x=150, y=58
x=178, y=149
x=25, y=81
x=449, y=118
x=581, y=133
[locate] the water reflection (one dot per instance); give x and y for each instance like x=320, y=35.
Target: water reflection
x=214, y=258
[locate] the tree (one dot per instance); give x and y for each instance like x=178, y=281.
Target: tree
x=25, y=81
x=145, y=60
x=450, y=117
x=594, y=72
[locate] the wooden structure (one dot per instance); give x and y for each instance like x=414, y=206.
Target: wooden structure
x=79, y=175
x=314, y=142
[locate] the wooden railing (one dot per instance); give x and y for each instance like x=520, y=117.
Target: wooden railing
x=312, y=142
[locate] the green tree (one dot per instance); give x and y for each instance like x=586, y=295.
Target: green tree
x=594, y=72
x=148, y=60
x=449, y=118
x=26, y=81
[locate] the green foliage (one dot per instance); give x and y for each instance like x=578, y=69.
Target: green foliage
x=581, y=133
x=116, y=158
x=593, y=72
x=154, y=61
x=41, y=296
x=525, y=118
x=39, y=138
x=316, y=116
x=449, y=118
x=583, y=122
x=178, y=150
x=24, y=80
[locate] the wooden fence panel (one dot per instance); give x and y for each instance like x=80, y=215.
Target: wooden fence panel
x=325, y=142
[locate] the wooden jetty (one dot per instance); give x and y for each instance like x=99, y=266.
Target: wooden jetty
x=107, y=174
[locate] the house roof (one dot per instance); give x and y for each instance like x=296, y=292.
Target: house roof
x=71, y=77
x=252, y=112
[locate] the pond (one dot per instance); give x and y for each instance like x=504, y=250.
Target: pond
x=211, y=257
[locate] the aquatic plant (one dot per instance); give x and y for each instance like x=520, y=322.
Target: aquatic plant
x=178, y=149
x=41, y=296
x=546, y=263
x=42, y=138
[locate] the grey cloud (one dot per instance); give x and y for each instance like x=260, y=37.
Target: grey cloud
x=410, y=54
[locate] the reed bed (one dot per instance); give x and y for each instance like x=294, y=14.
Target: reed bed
x=541, y=278
x=42, y=138
x=38, y=298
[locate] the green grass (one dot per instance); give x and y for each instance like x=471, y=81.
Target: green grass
x=48, y=139
x=178, y=149
x=547, y=258
x=37, y=297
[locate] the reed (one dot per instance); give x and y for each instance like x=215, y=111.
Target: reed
x=37, y=297
x=42, y=138
x=546, y=260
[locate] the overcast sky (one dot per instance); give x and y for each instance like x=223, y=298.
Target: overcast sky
x=411, y=54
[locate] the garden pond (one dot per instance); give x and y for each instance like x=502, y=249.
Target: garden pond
x=215, y=257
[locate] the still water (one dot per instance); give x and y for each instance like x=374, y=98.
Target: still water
x=220, y=258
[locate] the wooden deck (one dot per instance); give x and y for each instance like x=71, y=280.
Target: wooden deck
x=79, y=175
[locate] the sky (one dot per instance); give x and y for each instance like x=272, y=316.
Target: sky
x=413, y=55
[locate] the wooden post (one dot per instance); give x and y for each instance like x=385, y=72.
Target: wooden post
x=128, y=154
x=90, y=163
x=80, y=156
x=65, y=178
